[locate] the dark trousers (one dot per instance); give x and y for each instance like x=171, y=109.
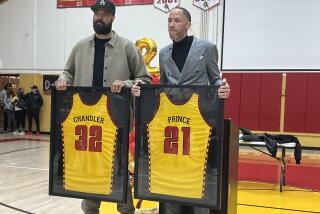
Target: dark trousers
x=171, y=208
x=10, y=120
x=20, y=119
x=5, y=121
x=92, y=206
x=33, y=114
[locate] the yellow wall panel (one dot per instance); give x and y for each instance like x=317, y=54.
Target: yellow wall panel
x=26, y=81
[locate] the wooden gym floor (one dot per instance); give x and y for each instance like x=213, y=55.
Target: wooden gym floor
x=24, y=163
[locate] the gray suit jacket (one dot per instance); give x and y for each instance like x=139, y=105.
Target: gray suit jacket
x=200, y=68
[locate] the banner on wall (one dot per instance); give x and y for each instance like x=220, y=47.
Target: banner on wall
x=166, y=5
x=88, y=3
x=205, y=4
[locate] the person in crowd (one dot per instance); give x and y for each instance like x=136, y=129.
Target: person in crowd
x=34, y=103
x=9, y=108
x=20, y=107
x=3, y=92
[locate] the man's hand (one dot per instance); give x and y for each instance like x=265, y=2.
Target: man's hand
x=224, y=90
x=135, y=89
x=117, y=85
x=61, y=85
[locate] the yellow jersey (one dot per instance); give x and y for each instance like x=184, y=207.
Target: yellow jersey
x=89, y=139
x=178, y=146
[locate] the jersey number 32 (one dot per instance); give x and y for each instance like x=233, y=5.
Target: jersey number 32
x=92, y=134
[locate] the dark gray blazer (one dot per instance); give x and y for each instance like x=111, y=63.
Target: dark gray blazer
x=200, y=68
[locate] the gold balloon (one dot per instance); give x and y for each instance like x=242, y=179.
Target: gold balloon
x=151, y=50
x=131, y=167
x=130, y=157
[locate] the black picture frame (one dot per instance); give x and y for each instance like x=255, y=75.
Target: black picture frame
x=212, y=110
x=119, y=110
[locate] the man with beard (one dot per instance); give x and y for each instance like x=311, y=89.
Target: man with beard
x=104, y=59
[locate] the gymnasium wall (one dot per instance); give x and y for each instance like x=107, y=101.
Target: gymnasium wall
x=271, y=35
x=37, y=38
x=276, y=103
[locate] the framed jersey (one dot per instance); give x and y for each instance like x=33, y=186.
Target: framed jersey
x=179, y=132
x=89, y=143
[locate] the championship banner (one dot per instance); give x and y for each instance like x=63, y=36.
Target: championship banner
x=88, y=3
x=166, y=5
x=178, y=154
x=205, y=4
x=89, y=143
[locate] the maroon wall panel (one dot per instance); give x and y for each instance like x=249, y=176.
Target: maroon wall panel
x=232, y=104
x=296, y=102
x=250, y=101
x=270, y=108
x=313, y=103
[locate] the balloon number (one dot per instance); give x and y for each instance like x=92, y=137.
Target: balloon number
x=150, y=48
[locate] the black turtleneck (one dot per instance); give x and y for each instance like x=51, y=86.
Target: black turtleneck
x=181, y=50
x=98, y=67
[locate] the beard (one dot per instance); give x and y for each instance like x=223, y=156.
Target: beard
x=102, y=28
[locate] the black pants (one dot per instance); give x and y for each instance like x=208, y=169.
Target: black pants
x=171, y=208
x=5, y=121
x=20, y=119
x=11, y=123
x=93, y=206
x=33, y=114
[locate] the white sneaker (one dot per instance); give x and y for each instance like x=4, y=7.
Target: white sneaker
x=22, y=133
x=15, y=133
